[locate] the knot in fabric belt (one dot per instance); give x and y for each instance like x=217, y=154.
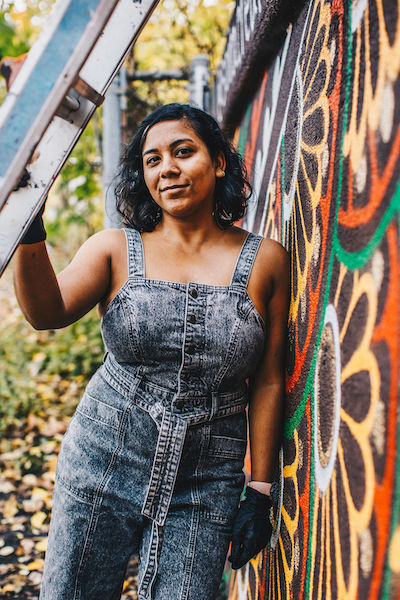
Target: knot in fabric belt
x=172, y=427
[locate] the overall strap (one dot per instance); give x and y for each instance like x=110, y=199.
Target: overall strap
x=135, y=253
x=246, y=259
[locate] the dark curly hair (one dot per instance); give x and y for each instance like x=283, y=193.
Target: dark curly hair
x=134, y=202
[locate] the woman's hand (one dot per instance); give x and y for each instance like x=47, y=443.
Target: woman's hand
x=36, y=232
x=252, y=527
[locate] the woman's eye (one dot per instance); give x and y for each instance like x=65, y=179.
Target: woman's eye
x=151, y=160
x=183, y=151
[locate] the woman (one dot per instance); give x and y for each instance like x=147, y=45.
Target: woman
x=192, y=307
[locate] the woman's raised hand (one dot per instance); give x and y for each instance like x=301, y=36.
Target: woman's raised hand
x=36, y=232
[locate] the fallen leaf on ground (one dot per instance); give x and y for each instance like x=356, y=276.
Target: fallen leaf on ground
x=36, y=565
x=38, y=519
x=6, y=487
x=35, y=577
x=33, y=421
x=41, y=493
x=27, y=545
x=10, y=507
x=29, y=479
x=41, y=545
x=32, y=505
x=52, y=427
x=6, y=550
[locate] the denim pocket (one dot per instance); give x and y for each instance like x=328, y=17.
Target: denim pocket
x=99, y=411
x=228, y=436
x=221, y=476
x=90, y=448
x=227, y=447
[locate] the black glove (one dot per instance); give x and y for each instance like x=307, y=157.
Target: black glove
x=36, y=231
x=23, y=182
x=252, y=527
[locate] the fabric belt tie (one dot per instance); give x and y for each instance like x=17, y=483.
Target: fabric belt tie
x=171, y=439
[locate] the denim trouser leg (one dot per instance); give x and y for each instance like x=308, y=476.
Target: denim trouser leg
x=184, y=559
x=96, y=521
x=88, y=550
x=133, y=476
x=191, y=560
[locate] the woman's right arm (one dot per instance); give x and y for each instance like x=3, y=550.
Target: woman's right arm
x=51, y=301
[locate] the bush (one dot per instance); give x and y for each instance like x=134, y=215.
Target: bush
x=42, y=369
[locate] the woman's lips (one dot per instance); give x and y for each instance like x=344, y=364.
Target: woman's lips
x=174, y=187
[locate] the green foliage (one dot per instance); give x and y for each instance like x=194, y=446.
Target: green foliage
x=45, y=368
x=10, y=45
x=26, y=18
x=175, y=34
x=181, y=29
x=19, y=29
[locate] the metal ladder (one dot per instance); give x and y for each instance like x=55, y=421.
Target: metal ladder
x=59, y=86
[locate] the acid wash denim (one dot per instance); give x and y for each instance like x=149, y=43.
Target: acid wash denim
x=152, y=461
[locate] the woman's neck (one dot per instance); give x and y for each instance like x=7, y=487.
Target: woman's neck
x=188, y=233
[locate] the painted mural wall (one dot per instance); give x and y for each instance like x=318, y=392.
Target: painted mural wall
x=321, y=140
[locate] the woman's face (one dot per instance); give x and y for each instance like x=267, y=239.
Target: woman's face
x=178, y=170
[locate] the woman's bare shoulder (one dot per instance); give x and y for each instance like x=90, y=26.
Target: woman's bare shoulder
x=105, y=240
x=273, y=261
x=108, y=235
x=271, y=249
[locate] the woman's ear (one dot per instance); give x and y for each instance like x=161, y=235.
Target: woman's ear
x=220, y=165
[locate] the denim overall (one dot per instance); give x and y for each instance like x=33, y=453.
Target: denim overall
x=152, y=461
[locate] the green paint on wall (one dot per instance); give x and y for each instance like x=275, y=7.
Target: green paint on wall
x=294, y=421
x=358, y=260
x=311, y=504
x=243, y=131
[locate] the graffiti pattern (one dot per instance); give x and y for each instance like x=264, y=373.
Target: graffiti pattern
x=321, y=141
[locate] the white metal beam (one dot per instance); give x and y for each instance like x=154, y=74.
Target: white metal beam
x=49, y=139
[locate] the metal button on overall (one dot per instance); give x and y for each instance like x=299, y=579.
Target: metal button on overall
x=192, y=319
x=194, y=293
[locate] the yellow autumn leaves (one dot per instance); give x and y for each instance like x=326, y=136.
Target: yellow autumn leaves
x=26, y=501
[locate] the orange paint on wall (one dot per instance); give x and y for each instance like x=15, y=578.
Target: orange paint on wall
x=386, y=330
x=354, y=217
x=255, y=121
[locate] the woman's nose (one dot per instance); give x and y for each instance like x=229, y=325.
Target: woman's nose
x=169, y=167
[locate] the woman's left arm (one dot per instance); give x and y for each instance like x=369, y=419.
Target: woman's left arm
x=267, y=387
x=252, y=527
